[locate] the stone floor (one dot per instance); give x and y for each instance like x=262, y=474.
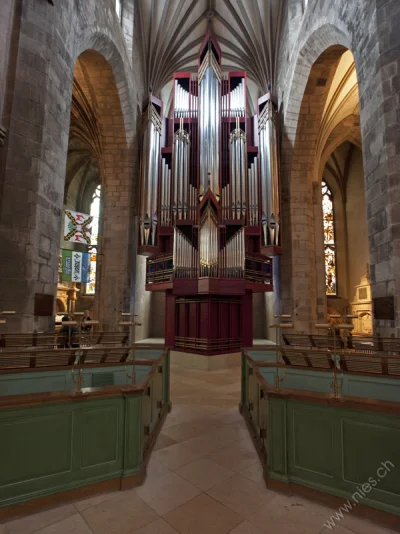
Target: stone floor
x=204, y=477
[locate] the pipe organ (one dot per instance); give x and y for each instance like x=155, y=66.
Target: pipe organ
x=209, y=218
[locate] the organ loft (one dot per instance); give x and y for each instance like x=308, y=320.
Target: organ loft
x=209, y=220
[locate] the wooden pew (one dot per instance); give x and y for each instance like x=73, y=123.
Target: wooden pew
x=350, y=362
x=50, y=340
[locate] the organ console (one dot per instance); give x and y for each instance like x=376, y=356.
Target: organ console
x=209, y=217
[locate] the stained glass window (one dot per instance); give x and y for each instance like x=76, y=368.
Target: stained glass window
x=95, y=212
x=329, y=240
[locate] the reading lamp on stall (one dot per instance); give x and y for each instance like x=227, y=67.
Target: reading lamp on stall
x=132, y=323
x=6, y=312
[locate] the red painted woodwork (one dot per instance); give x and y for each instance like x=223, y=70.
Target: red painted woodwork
x=209, y=324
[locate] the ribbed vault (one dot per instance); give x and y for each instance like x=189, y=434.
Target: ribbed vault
x=172, y=31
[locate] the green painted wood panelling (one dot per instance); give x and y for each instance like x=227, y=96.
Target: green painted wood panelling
x=57, y=447
x=148, y=354
x=277, y=448
x=100, y=435
x=263, y=355
x=133, y=435
x=353, y=385
x=28, y=445
x=336, y=450
x=366, y=445
x=51, y=448
x=306, y=428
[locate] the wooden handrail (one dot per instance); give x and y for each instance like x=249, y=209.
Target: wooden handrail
x=31, y=399
x=57, y=359
x=345, y=401
x=350, y=362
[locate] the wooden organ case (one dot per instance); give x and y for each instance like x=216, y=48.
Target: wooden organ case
x=209, y=206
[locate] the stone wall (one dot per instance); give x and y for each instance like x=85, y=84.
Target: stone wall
x=370, y=31
x=51, y=38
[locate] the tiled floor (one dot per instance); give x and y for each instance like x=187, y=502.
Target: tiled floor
x=204, y=477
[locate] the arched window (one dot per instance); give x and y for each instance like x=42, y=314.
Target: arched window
x=95, y=213
x=118, y=8
x=329, y=240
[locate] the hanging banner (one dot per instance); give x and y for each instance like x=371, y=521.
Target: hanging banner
x=75, y=266
x=77, y=227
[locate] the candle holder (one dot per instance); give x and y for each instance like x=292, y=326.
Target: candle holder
x=278, y=326
x=79, y=379
x=132, y=324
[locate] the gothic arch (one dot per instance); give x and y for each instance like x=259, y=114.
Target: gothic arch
x=102, y=126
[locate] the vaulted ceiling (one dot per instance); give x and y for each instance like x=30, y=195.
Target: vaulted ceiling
x=172, y=31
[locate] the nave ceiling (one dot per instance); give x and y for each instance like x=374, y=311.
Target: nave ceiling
x=173, y=30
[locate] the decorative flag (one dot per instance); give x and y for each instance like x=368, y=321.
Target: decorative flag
x=75, y=266
x=78, y=227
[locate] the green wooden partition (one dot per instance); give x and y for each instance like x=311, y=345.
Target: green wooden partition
x=59, y=441
x=347, y=447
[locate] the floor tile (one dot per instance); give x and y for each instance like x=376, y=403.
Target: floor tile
x=254, y=473
x=283, y=514
x=119, y=514
x=204, y=473
x=87, y=503
x=360, y=526
x=338, y=530
x=235, y=457
x=246, y=528
x=203, y=515
x=163, y=441
x=154, y=469
x=72, y=525
x=242, y=495
x=167, y=492
x=32, y=523
x=189, y=430
x=158, y=527
x=175, y=456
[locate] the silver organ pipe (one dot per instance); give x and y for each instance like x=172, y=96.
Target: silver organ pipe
x=253, y=193
x=209, y=246
x=238, y=169
x=269, y=175
x=233, y=256
x=181, y=172
x=238, y=101
x=150, y=173
x=165, y=193
x=209, y=122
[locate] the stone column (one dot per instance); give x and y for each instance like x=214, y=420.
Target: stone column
x=381, y=149
x=34, y=166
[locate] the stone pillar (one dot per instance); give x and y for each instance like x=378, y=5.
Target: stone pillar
x=381, y=149
x=32, y=183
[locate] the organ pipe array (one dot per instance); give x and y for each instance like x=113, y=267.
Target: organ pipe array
x=233, y=256
x=185, y=103
x=148, y=222
x=209, y=122
x=269, y=175
x=185, y=256
x=165, y=194
x=209, y=204
x=252, y=179
x=215, y=174
x=238, y=171
x=209, y=246
x=182, y=204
